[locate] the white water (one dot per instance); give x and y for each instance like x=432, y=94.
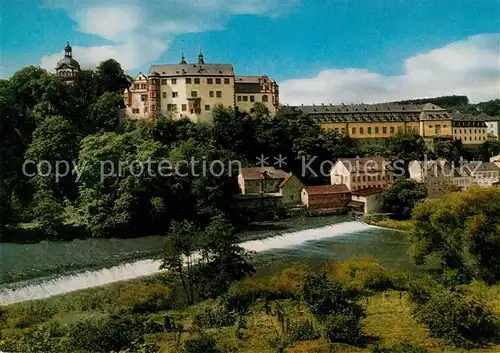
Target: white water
x=127, y=271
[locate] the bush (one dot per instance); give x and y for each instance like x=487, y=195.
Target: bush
x=215, y=317
x=400, y=348
x=343, y=328
x=202, y=344
x=106, y=334
x=301, y=330
x=452, y=316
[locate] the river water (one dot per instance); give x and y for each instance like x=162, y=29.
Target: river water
x=342, y=240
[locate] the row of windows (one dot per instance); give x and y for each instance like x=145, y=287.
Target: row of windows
x=470, y=131
x=265, y=98
x=139, y=86
x=370, y=130
x=370, y=178
x=480, y=138
x=173, y=107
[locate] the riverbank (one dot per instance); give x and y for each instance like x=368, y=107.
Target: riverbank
x=386, y=222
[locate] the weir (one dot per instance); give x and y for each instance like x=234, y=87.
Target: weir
x=25, y=291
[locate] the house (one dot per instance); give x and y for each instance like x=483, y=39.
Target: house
x=483, y=173
x=492, y=126
x=366, y=200
x=326, y=198
x=439, y=175
x=269, y=181
x=362, y=173
x=470, y=129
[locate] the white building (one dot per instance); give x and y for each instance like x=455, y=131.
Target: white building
x=492, y=126
x=484, y=173
x=362, y=173
x=367, y=199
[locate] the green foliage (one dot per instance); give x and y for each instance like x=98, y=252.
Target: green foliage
x=301, y=330
x=406, y=146
x=462, y=229
x=343, y=328
x=105, y=112
x=444, y=101
x=402, y=196
x=399, y=348
x=452, y=316
x=218, y=316
x=202, y=344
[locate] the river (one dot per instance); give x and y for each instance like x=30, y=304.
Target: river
x=82, y=264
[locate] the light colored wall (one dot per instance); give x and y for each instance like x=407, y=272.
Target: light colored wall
x=371, y=202
x=305, y=198
x=339, y=174
x=493, y=128
x=415, y=170
x=428, y=128
x=470, y=135
x=291, y=191
x=246, y=106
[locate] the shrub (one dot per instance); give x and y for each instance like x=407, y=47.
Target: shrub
x=452, y=316
x=399, y=348
x=106, y=334
x=343, y=328
x=301, y=330
x=202, y=344
x=215, y=317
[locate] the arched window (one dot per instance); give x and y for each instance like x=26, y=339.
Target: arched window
x=264, y=98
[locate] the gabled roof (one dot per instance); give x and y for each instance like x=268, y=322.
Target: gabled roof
x=327, y=189
x=482, y=167
x=193, y=70
x=262, y=172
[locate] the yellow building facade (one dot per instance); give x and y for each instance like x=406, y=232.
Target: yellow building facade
x=193, y=90
x=379, y=121
x=471, y=130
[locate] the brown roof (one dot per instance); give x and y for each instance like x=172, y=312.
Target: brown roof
x=483, y=166
x=367, y=192
x=177, y=70
x=327, y=189
x=262, y=172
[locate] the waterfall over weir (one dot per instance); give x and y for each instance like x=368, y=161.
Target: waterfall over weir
x=127, y=271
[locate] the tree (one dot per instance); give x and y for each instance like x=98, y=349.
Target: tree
x=407, y=146
x=402, y=196
x=223, y=260
x=106, y=112
x=111, y=77
x=463, y=230
x=179, y=255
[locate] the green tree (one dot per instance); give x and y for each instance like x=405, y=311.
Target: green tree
x=402, y=196
x=462, y=229
x=179, y=255
x=407, y=146
x=106, y=112
x=111, y=77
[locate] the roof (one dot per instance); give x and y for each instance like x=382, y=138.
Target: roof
x=370, y=112
x=327, y=189
x=366, y=164
x=367, y=192
x=486, y=117
x=262, y=172
x=193, y=70
x=457, y=116
x=69, y=62
x=482, y=167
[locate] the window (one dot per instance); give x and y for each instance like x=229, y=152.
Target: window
x=135, y=110
x=164, y=81
x=169, y=107
x=460, y=131
x=174, y=107
x=239, y=98
x=369, y=131
x=265, y=98
x=226, y=81
x=217, y=81
x=174, y=81
x=143, y=86
x=164, y=95
x=252, y=98
x=392, y=129
x=175, y=94
x=207, y=107
x=144, y=97
x=145, y=109
x=136, y=86
x=361, y=131
x=188, y=80
x=384, y=130
x=376, y=130
x=210, y=81
x=211, y=93
x=184, y=107
x=194, y=94
x=245, y=98
x=218, y=94
x=196, y=81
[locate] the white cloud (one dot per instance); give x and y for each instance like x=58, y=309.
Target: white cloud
x=141, y=32
x=468, y=67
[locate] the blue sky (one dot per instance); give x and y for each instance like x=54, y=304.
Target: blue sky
x=295, y=42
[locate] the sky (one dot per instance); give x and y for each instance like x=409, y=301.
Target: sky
x=331, y=51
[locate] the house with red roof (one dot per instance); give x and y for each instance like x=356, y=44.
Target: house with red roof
x=326, y=198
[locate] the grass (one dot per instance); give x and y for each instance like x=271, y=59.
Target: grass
x=388, y=320
x=386, y=222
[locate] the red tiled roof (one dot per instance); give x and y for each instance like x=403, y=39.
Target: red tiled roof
x=367, y=192
x=327, y=189
x=261, y=172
